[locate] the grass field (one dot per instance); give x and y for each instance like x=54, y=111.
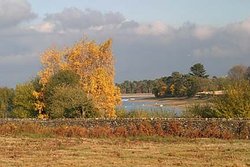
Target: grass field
x=153, y=151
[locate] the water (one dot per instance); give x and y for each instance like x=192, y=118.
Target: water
x=130, y=104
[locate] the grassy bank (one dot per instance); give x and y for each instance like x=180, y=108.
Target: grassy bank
x=152, y=151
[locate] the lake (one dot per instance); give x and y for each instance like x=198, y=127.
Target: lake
x=138, y=103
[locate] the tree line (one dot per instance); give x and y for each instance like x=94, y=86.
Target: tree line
x=185, y=85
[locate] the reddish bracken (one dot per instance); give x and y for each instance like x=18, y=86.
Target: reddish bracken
x=229, y=129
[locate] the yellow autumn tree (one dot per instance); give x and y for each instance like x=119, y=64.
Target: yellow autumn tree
x=94, y=64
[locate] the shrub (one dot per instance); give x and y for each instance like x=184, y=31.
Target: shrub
x=121, y=131
x=101, y=131
x=200, y=110
x=235, y=102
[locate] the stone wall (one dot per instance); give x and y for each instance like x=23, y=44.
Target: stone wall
x=219, y=128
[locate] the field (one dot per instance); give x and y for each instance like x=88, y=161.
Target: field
x=141, y=151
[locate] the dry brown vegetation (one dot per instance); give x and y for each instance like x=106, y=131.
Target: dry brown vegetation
x=143, y=144
x=131, y=129
x=26, y=151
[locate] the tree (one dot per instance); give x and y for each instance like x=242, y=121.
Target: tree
x=88, y=60
x=70, y=102
x=177, y=87
x=235, y=102
x=64, y=98
x=149, y=86
x=160, y=88
x=237, y=72
x=24, y=101
x=198, y=70
x=6, y=101
x=59, y=79
x=247, y=74
x=192, y=85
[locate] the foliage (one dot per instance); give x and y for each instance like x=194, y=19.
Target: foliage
x=200, y=110
x=64, y=98
x=24, y=101
x=61, y=78
x=94, y=64
x=237, y=72
x=70, y=102
x=160, y=88
x=247, y=74
x=235, y=102
x=143, y=86
x=6, y=101
x=198, y=70
x=175, y=85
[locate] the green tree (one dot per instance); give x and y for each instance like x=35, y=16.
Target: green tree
x=71, y=102
x=160, y=88
x=198, y=70
x=64, y=98
x=192, y=85
x=6, y=101
x=24, y=101
x=178, y=81
x=61, y=78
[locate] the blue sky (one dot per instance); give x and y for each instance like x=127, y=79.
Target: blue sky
x=151, y=38
x=174, y=12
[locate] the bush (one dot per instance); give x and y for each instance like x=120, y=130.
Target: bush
x=200, y=110
x=235, y=102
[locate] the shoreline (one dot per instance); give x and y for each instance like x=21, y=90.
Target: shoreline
x=180, y=102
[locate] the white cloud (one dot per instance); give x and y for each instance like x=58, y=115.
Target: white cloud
x=45, y=27
x=13, y=12
x=214, y=51
x=156, y=28
x=73, y=18
x=203, y=32
x=241, y=26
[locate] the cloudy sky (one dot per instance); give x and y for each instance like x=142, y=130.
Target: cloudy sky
x=150, y=38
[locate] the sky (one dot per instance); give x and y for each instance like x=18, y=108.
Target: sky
x=150, y=38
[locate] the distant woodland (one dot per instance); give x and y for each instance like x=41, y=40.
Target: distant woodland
x=185, y=85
